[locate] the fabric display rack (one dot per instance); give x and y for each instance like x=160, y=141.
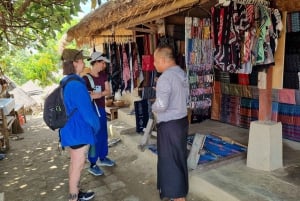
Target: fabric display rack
x=244, y=37
x=235, y=92
x=292, y=52
x=125, y=66
x=199, y=63
x=238, y=105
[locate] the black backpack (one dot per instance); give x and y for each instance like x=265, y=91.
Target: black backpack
x=55, y=115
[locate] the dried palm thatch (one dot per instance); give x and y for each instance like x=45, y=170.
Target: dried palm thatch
x=117, y=14
x=123, y=14
x=288, y=5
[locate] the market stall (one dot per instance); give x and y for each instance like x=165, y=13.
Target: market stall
x=233, y=52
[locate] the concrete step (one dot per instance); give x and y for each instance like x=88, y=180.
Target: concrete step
x=230, y=182
x=1, y=196
x=235, y=181
x=128, y=135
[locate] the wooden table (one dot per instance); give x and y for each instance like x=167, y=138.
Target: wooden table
x=6, y=121
x=112, y=112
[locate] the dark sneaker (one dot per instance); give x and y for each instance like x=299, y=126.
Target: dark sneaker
x=96, y=171
x=106, y=162
x=83, y=196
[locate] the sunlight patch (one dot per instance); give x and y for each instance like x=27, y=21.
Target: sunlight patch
x=23, y=186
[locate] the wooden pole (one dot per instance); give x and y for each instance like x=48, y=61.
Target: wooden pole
x=278, y=69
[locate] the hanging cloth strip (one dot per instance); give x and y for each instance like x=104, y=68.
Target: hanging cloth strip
x=126, y=69
x=131, y=68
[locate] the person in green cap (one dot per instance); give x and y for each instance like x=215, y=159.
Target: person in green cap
x=82, y=125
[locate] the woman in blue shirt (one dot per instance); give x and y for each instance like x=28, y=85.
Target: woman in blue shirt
x=79, y=131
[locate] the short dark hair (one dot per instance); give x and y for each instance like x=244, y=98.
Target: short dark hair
x=166, y=51
x=93, y=62
x=68, y=67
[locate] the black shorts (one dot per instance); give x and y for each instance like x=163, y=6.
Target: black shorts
x=77, y=146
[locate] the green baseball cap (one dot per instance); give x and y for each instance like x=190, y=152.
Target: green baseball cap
x=72, y=55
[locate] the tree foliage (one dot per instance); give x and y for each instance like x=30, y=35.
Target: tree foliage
x=42, y=65
x=31, y=22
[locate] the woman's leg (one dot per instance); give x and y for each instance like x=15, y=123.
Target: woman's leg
x=76, y=165
x=179, y=199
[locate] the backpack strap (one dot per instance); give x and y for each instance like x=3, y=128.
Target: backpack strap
x=92, y=83
x=63, y=84
x=91, y=80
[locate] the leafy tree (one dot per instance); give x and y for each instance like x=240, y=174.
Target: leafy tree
x=42, y=65
x=31, y=22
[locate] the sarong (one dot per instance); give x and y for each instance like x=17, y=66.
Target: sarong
x=172, y=171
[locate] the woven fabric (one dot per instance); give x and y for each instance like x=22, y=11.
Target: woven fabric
x=287, y=96
x=290, y=80
x=216, y=106
x=248, y=111
x=141, y=114
x=243, y=79
x=275, y=109
x=230, y=109
x=289, y=116
x=275, y=95
x=297, y=97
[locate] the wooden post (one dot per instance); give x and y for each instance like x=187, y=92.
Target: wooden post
x=265, y=95
x=278, y=69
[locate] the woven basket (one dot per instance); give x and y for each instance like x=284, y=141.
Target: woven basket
x=108, y=102
x=119, y=103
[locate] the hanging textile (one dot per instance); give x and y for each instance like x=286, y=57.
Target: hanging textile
x=125, y=69
x=292, y=49
x=244, y=36
x=199, y=63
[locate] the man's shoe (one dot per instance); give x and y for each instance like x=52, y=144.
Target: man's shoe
x=96, y=171
x=83, y=196
x=106, y=162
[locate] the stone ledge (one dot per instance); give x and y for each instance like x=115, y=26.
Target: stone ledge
x=1, y=196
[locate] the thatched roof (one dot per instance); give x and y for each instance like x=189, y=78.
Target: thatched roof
x=117, y=14
x=288, y=5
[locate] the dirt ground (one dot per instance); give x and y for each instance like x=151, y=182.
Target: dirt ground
x=36, y=170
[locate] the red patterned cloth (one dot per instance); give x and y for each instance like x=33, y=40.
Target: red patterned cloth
x=126, y=69
x=287, y=96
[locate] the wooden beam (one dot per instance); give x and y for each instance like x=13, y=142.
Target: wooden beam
x=150, y=26
x=142, y=30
